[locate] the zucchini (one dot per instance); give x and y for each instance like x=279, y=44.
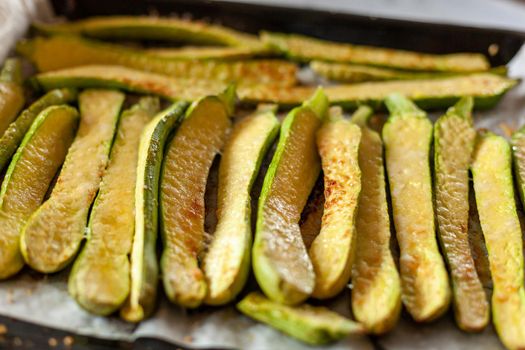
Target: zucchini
x=53, y=233
x=312, y=215
x=11, y=92
x=305, y=49
x=29, y=176
x=376, y=292
x=281, y=263
x=185, y=170
x=332, y=251
x=99, y=280
x=144, y=269
x=310, y=324
x=518, y=153
x=353, y=73
x=203, y=53
x=486, y=88
x=454, y=138
x=15, y=132
x=61, y=52
x=495, y=199
x=117, y=77
x=227, y=262
x=407, y=136
x=154, y=28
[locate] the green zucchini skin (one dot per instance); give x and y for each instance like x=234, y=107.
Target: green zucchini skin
x=313, y=325
x=17, y=129
x=454, y=139
x=407, y=138
x=144, y=265
x=518, y=157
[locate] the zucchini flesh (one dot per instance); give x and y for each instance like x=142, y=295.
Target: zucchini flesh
x=281, y=263
x=376, y=292
x=332, y=251
x=310, y=324
x=52, y=235
x=354, y=73
x=454, y=138
x=11, y=92
x=227, y=261
x=61, y=52
x=203, y=53
x=144, y=269
x=312, y=215
x=186, y=165
x=147, y=27
x=495, y=199
x=14, y=134
x=28, y=177
x=99, y=280
x=407, y=136
x=486, y=88
x=305, y=48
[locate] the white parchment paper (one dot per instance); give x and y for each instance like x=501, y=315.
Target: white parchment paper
x=44, y=300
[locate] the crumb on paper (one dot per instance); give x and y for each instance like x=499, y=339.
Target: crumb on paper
x=68, y=341
x=52, y=342
x=17, y=341
x=188, y=339
x=493, y=49
x=507, y=129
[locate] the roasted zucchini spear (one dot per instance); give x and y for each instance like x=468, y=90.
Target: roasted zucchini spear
x=203, y=53
x=227, y=262
x=332, y=251
x=407, y=136
x=486, y=88
x=53, y=233
x=376, y=292
x=186, y=166
x=281, y=263
x=305, y=48
x=518, y=153
x=99, y=280
x=11, y=92
x=310, y=324
x=14, y=134
x=69, y=51
x=144, y=267
x=495, y=199
x=454, y=138
x=147, y=27
x=29, y=176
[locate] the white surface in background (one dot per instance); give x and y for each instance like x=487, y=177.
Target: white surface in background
x=508, y=14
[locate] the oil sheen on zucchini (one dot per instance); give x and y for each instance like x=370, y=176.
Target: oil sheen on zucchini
x=332, y=251
x=61, y=52
x=99, y=280
x=227, y=261
x=454, y=138
x=281, y=262
x=376, y=292
x=486, y=88
x=11, y=92
x=52, y=235
x=407, y=136
x=144, y=268
x=14, y=134
x=185, y=170
x=152, y=28
x=495, y=199
x=305, y=48
x=310, y=324
x=29, y=176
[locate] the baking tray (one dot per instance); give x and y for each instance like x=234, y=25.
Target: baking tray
x=344, y=27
